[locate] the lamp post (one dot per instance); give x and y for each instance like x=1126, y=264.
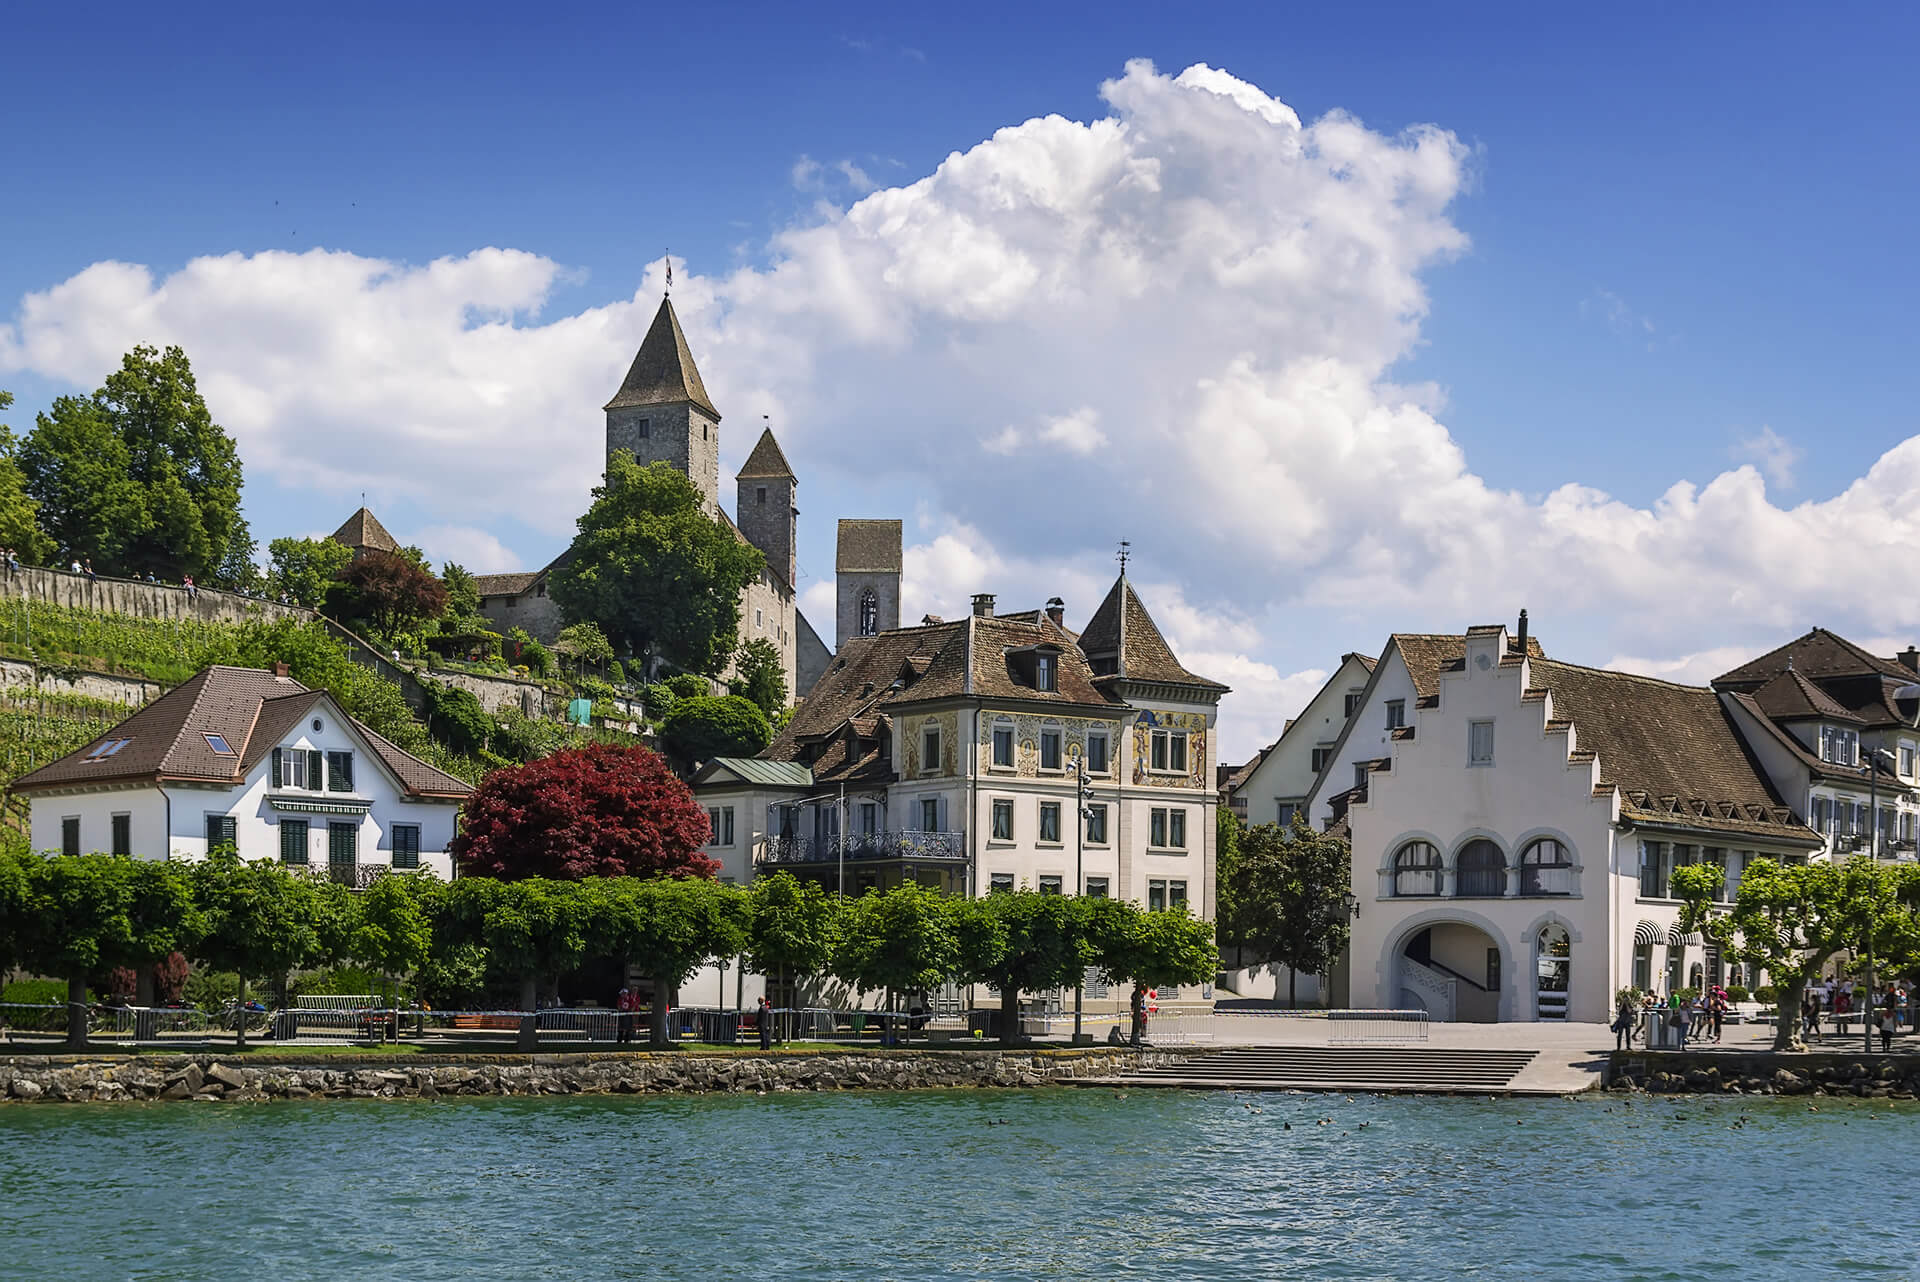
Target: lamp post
x=1083, y=810
x=1873, y=853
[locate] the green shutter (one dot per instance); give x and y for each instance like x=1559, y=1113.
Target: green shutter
x=276, y=768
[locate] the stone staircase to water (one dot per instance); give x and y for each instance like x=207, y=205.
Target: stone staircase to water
x=1398, y=1069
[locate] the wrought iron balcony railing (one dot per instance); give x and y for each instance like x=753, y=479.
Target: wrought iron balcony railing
x=868, y=847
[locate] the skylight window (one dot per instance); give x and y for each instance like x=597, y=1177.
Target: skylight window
x=218, y=744
x=106, y=749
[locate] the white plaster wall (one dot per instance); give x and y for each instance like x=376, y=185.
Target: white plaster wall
x=146, y=808
x=1369, y=739
x=1287, y=772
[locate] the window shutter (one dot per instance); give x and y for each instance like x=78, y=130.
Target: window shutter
x=276, y=767
x=346, y=771
x=314, y=777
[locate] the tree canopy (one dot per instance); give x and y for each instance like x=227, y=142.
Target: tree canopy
x=1283, y=898
x=1163, y=948
x=669, y=928
x=657, y=574
x=1028, y=941
x=307, y=570
x=138, y=477
x=260, y=922
x=761, y=676
x=19, y=513
x=792, y=926
x=390, y=591
x=700, y=729
x=594, y=811
x=902, y=941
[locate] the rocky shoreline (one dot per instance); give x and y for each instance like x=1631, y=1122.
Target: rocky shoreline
x=138, y=1078
x=1786, y=1073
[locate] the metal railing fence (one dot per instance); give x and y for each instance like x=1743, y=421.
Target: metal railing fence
x=1376, y=1027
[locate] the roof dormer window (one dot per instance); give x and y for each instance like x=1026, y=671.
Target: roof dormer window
x=1043, y=672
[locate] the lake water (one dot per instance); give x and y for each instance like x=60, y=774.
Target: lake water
x=982, y=1184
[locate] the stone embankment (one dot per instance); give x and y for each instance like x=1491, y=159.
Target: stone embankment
x=203, y=1077
x=1718, y=1073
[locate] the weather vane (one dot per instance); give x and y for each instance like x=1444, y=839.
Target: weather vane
x=669, y=271
x=1123, y=554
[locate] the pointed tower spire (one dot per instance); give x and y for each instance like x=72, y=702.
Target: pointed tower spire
x=663, y=372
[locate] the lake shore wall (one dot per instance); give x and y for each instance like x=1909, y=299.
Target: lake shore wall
x=63, y=1078
x=1712, y=1072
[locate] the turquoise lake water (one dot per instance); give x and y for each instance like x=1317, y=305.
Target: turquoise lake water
x=983, y=1184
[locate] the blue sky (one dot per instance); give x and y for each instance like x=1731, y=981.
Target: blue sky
x=1680, y=231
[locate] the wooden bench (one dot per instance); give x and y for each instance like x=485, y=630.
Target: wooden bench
x=495, y=1023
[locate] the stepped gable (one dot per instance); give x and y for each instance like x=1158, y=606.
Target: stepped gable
x=363, y=533
x=766, y=462
x=663, y=371
x=1671, y=750
x=1122, y=642
x=1428, y=654
x=250, y=709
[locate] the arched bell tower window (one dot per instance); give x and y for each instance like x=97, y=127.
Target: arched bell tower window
x=869, y=613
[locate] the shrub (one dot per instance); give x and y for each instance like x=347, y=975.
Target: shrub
x=457, y=717
x=616, y=673
x=210, y=989
x=724, y=726
x=657, y=699
x=1766, y=993
x=685, y=685
x=35, y=992
x=1737, y=993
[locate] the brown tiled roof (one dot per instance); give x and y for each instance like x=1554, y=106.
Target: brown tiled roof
x=249, y=708
x=1671, y=750
x=1123, y=631
x=868, y=547
x=1428, y=654
x=1818, y=655
x=506, y=584
x=1855, y=775
x=363, y=530
x=1790, y=697
x=766, y=461
x=663, y=371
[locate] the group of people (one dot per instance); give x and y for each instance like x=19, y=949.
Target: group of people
x=1699, y=1017
x=1840, y=1001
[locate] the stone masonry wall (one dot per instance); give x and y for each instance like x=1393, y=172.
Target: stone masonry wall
x=140, y=600
x=205, y=1077
x=1853, y=1073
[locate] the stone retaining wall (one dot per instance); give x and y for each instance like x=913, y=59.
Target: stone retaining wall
x=140, y=600
x=205, y=1077
x=21, y=678
x=1766, y=1073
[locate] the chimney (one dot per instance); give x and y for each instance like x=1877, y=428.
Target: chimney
x=1909, y=659
x=1057, y=611
x=983, y=605
x=282, y=670
x=1520, y=638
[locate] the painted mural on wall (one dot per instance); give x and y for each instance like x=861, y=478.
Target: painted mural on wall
x=1026, y=740
x=1195, y=726
x=916, y=737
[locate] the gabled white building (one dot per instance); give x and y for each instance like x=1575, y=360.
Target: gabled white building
x=1273, y=787
x=255, y=760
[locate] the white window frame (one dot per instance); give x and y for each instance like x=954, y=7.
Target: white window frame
x=1161, y=824
x=1046, y=668
x=1396, y=713
x=1160, y=751
x=1099, y=808
x=1475, y=755
x=935, y=803
x=1040, y=831
x=994, y=812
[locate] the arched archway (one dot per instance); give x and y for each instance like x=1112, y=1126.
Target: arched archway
x=1480, y=870
x=1553, y=970
x=1451, y=969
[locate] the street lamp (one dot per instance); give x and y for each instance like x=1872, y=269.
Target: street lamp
x=1873, y=853
x=1084, y=808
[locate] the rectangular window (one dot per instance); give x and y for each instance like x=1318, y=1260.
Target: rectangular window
x=1352, y=701
x=293, y=842
x=1097, y=752
x=1096, y=825
x=1480, y=743
x=1050, y=885
x=1157, y=750
x=1176, y=893
x=343, y=851
x=1177, y=829
x=1156, y=896
x=1169, y=751
x=646, y=428
x=1157, y=829
x=1822, y=814
x=1286, y=812
x=222, y=830
x=406, y=845
x=339, y=772
x=1096, y=888
x=1050, y=821
x=1906, y=762
x=929, y=814
x=1043, y=672
x=760, y=495
x=1003, y=746
x=123, y=834
x=869, y=818
x=1000, y=883
x=930, y=750
x=1360, y=769
x=70, y=835
x=1396, y=713
x=1653, y=869
x=1049, y=749
x=218, y=744
x=1320, y=758
x=720, y=820
x=1003, y=820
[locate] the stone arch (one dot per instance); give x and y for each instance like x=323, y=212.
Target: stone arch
x=1391, y=851
x=1533, y=990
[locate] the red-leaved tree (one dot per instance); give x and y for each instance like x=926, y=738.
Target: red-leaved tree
x=389, y=591
x=597, y=811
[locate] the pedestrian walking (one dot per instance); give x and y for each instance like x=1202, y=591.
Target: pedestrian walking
x=1682, y=1017
x=625, y=1004
x=1139, y=1009
x=1626, y=1010
x=1886, y=1021
x=1717, y=1010
x=765, y=1020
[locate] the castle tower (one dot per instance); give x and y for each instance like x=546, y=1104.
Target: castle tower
x=764, y=507
x=661, y=412
x=866, y=570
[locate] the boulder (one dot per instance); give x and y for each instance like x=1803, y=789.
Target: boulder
x=228, y=1078
x=1788, y=1082
x=25, y=1088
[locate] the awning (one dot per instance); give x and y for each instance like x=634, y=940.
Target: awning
x=1675, y=939
x=1647, y=934
x=319, y=805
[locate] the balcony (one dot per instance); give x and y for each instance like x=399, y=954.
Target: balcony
x=872, y=847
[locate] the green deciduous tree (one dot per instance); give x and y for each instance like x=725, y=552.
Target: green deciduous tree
x=463, y=591
x=792, y=926
x=902, y=941
x=700, y=729
x=1792, y=919
x=761, y=677
x=654, y=570
x=138, y=477
x=1283, y=899
x=1164, y=948
x=19, y=514
x=261, y=921
x=585, y=643
x=306, y=569
x=393, y=925
x=1029, y=942
x=532, y=930
x=669, y=928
